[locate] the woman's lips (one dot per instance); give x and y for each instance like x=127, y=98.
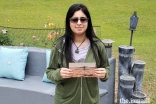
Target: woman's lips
x=79, y=28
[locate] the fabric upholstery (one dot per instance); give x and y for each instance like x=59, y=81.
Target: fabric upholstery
x=45, y=79
x=13, y=63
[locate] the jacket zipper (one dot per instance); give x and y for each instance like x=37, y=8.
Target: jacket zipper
x=81, y=92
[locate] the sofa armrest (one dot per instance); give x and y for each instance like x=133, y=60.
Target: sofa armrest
x=111, y=79
x=109, y=85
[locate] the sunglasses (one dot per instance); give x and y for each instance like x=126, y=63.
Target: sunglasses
x=76, y=19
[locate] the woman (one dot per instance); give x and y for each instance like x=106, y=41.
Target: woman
x=78, y=44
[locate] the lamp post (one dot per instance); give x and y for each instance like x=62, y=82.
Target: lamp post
x=108, y=46
x=133, y=24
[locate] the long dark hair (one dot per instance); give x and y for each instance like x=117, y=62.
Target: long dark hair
x=69, y=34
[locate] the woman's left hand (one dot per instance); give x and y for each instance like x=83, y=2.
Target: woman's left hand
x=100, y=72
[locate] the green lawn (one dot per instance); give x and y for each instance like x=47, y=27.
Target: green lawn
x=113, y=17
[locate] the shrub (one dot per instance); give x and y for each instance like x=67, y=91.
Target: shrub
x=4, y=39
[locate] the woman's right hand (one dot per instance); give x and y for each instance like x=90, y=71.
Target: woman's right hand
x=66, y=73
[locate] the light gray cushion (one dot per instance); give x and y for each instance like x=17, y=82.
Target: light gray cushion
x=36, y=62
x=31, y=83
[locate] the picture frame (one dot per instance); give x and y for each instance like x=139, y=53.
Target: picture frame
x=83, y=69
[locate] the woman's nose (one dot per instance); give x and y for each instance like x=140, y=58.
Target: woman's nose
x=79, y=22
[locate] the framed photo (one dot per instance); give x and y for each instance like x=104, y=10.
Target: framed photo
x=83, y=69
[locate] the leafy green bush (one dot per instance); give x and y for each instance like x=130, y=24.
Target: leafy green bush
x=4, y=39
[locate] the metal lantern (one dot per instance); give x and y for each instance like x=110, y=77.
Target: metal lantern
x=133, y=24
x=108, y=46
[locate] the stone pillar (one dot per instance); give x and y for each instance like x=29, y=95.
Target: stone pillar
x=138, y=97
x=125, y=88
x=124, y=66
x=137, y=71
x=125, y=59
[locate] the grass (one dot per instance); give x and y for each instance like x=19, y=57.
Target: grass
x=113, y=17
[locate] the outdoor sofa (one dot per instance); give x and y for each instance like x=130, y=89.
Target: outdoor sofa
x=33, y=90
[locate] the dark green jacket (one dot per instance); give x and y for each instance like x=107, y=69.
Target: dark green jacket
x=72, y=90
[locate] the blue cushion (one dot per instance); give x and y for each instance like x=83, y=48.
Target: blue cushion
x=13, y=62
x=45, y=79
